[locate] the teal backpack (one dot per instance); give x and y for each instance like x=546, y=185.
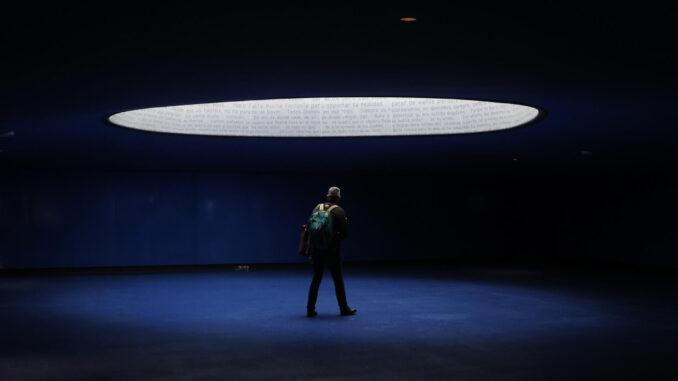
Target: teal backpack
x=320, y=229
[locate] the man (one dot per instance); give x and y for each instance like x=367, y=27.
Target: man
x=330, y=256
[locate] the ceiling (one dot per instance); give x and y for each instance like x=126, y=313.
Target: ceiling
x=604, y=75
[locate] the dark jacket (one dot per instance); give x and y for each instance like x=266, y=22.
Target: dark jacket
x=339, y=223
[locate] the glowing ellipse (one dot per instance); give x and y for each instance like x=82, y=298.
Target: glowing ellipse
x=330, y=117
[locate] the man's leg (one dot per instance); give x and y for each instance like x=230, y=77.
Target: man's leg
x=318, y=269
x=334, y=261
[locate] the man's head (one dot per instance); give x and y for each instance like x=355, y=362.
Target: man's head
x=334, y=194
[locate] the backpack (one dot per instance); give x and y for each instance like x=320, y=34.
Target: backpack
x=320, y=229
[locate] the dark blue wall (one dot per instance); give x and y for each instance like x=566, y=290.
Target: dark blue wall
x=73, y=219
x=80, y=219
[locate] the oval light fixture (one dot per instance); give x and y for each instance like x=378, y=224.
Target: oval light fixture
x=408, y=19
x=330, y=117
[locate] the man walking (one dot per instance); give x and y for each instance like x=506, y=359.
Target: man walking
x=328, y=226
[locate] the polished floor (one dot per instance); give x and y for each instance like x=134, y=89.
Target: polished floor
x=423, y=322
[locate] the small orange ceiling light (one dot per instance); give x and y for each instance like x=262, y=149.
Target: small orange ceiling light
x=408, y=19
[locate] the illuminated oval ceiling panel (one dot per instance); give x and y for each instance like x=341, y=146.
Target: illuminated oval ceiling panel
x=330, y=117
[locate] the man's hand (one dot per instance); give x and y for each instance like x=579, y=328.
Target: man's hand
x=304, y=227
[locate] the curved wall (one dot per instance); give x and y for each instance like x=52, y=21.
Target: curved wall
x=82, y=219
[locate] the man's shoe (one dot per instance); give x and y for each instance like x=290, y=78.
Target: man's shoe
x=311, y=313
x=348, y=311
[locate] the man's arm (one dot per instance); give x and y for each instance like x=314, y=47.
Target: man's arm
x=341, y=222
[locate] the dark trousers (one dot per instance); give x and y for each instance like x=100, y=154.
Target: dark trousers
x=331, y=258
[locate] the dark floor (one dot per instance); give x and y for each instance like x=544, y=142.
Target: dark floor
x=420, y=322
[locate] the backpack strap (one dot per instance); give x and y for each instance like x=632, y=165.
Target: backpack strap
x=321, y=207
